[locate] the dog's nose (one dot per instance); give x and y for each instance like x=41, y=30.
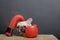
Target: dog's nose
x=22, y=29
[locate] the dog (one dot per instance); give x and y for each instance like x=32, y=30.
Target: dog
x=22, y=25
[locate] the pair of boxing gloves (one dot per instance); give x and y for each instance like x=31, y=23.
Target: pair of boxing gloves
x=30, y=30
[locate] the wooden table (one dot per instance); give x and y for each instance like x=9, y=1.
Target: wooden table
x=39, y=37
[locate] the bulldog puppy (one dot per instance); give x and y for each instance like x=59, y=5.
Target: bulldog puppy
x=22, y=25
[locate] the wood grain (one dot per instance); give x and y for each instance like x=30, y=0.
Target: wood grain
x=39, y=37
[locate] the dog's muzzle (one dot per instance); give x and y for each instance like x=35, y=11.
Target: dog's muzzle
x=22, y=29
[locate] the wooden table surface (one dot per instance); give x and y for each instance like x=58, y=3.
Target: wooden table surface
x=39, y=37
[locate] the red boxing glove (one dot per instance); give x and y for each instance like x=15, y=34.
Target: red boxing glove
x=31, y=31
x=13, y=23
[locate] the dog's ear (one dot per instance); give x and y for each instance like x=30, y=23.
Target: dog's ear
x=29, y=20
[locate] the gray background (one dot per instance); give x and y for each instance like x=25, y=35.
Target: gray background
x=46, y=13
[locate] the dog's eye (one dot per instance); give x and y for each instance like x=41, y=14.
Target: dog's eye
x=17, y=27
x=24, y=26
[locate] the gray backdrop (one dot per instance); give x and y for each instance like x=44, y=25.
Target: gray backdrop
x=45, y=13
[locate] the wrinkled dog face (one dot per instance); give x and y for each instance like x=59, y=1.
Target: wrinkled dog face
x=22, y=25
x=21, y=30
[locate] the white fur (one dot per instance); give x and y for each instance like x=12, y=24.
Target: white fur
x=25, y=23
